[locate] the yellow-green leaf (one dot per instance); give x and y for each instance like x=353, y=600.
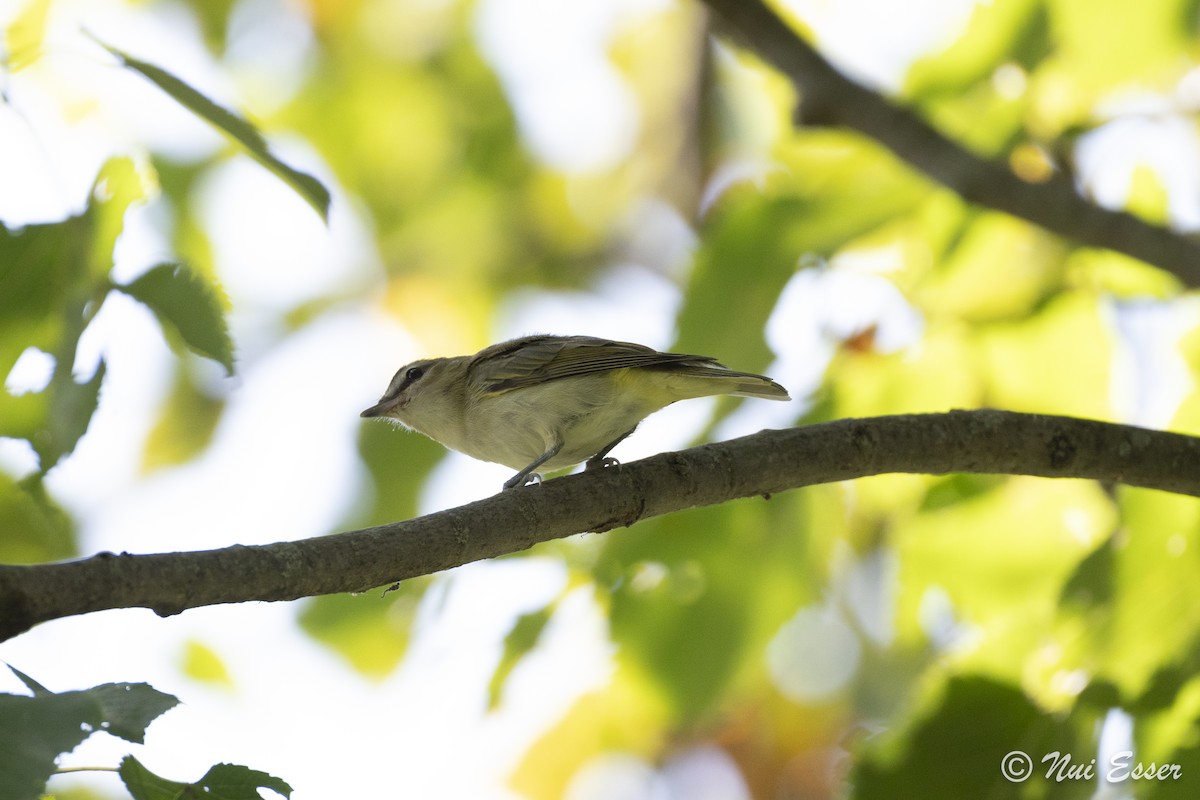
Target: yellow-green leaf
x=200, y=662
x=23, y=39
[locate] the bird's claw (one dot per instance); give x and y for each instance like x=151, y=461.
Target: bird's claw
x=600, y=463
x=532, y=479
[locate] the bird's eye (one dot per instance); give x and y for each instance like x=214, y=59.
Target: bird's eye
x=413, y=373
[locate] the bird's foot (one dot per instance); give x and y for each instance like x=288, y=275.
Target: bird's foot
x=594, y=464
x=530, y=479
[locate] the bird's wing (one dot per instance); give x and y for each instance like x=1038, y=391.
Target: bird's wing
x=537, y=359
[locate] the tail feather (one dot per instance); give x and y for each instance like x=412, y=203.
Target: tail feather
x=715, y=379
x=760, y=386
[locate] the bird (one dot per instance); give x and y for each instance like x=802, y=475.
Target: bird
x=546, y=402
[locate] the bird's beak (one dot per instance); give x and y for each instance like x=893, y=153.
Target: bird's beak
x=380, y=409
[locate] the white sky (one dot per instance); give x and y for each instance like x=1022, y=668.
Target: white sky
x=283, y=461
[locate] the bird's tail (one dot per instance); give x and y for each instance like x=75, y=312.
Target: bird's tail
x=750, y=385
x=702, y=380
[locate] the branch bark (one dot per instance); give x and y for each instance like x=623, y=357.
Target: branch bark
x=983, y=441
x=829, y=98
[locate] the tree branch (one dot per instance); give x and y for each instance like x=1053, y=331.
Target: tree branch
x=768, y=462
x=829, y=98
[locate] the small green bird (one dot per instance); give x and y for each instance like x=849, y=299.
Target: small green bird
x=548, y=402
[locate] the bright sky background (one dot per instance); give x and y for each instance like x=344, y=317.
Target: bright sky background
x=284, y=459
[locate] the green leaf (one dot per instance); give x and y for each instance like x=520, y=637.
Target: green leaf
x=145, y=785
x=222, y=782
x=35, y=528
x=524, y=636
x=29, y=682
x=1093, y=583
x=951, y=490
x=69, y=413
x=40, y=266
x=35, y=731
x=213, y=17
x=188, y=305
x=129, y=708
x=232, y=125
x=233, y=782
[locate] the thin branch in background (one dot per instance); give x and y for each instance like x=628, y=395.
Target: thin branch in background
x=766, y=463
x=830, y=98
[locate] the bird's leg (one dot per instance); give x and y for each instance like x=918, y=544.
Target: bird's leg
x=528, y=475
x=600, y=460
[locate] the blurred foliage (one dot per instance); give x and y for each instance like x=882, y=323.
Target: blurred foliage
x=371, y=635
x=184, y=427
x=54, y=278
x=203, y=664
x=893, y=636
x=521, y=640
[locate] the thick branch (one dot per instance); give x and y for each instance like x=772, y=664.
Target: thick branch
x=829, y=98
x=762, y=464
